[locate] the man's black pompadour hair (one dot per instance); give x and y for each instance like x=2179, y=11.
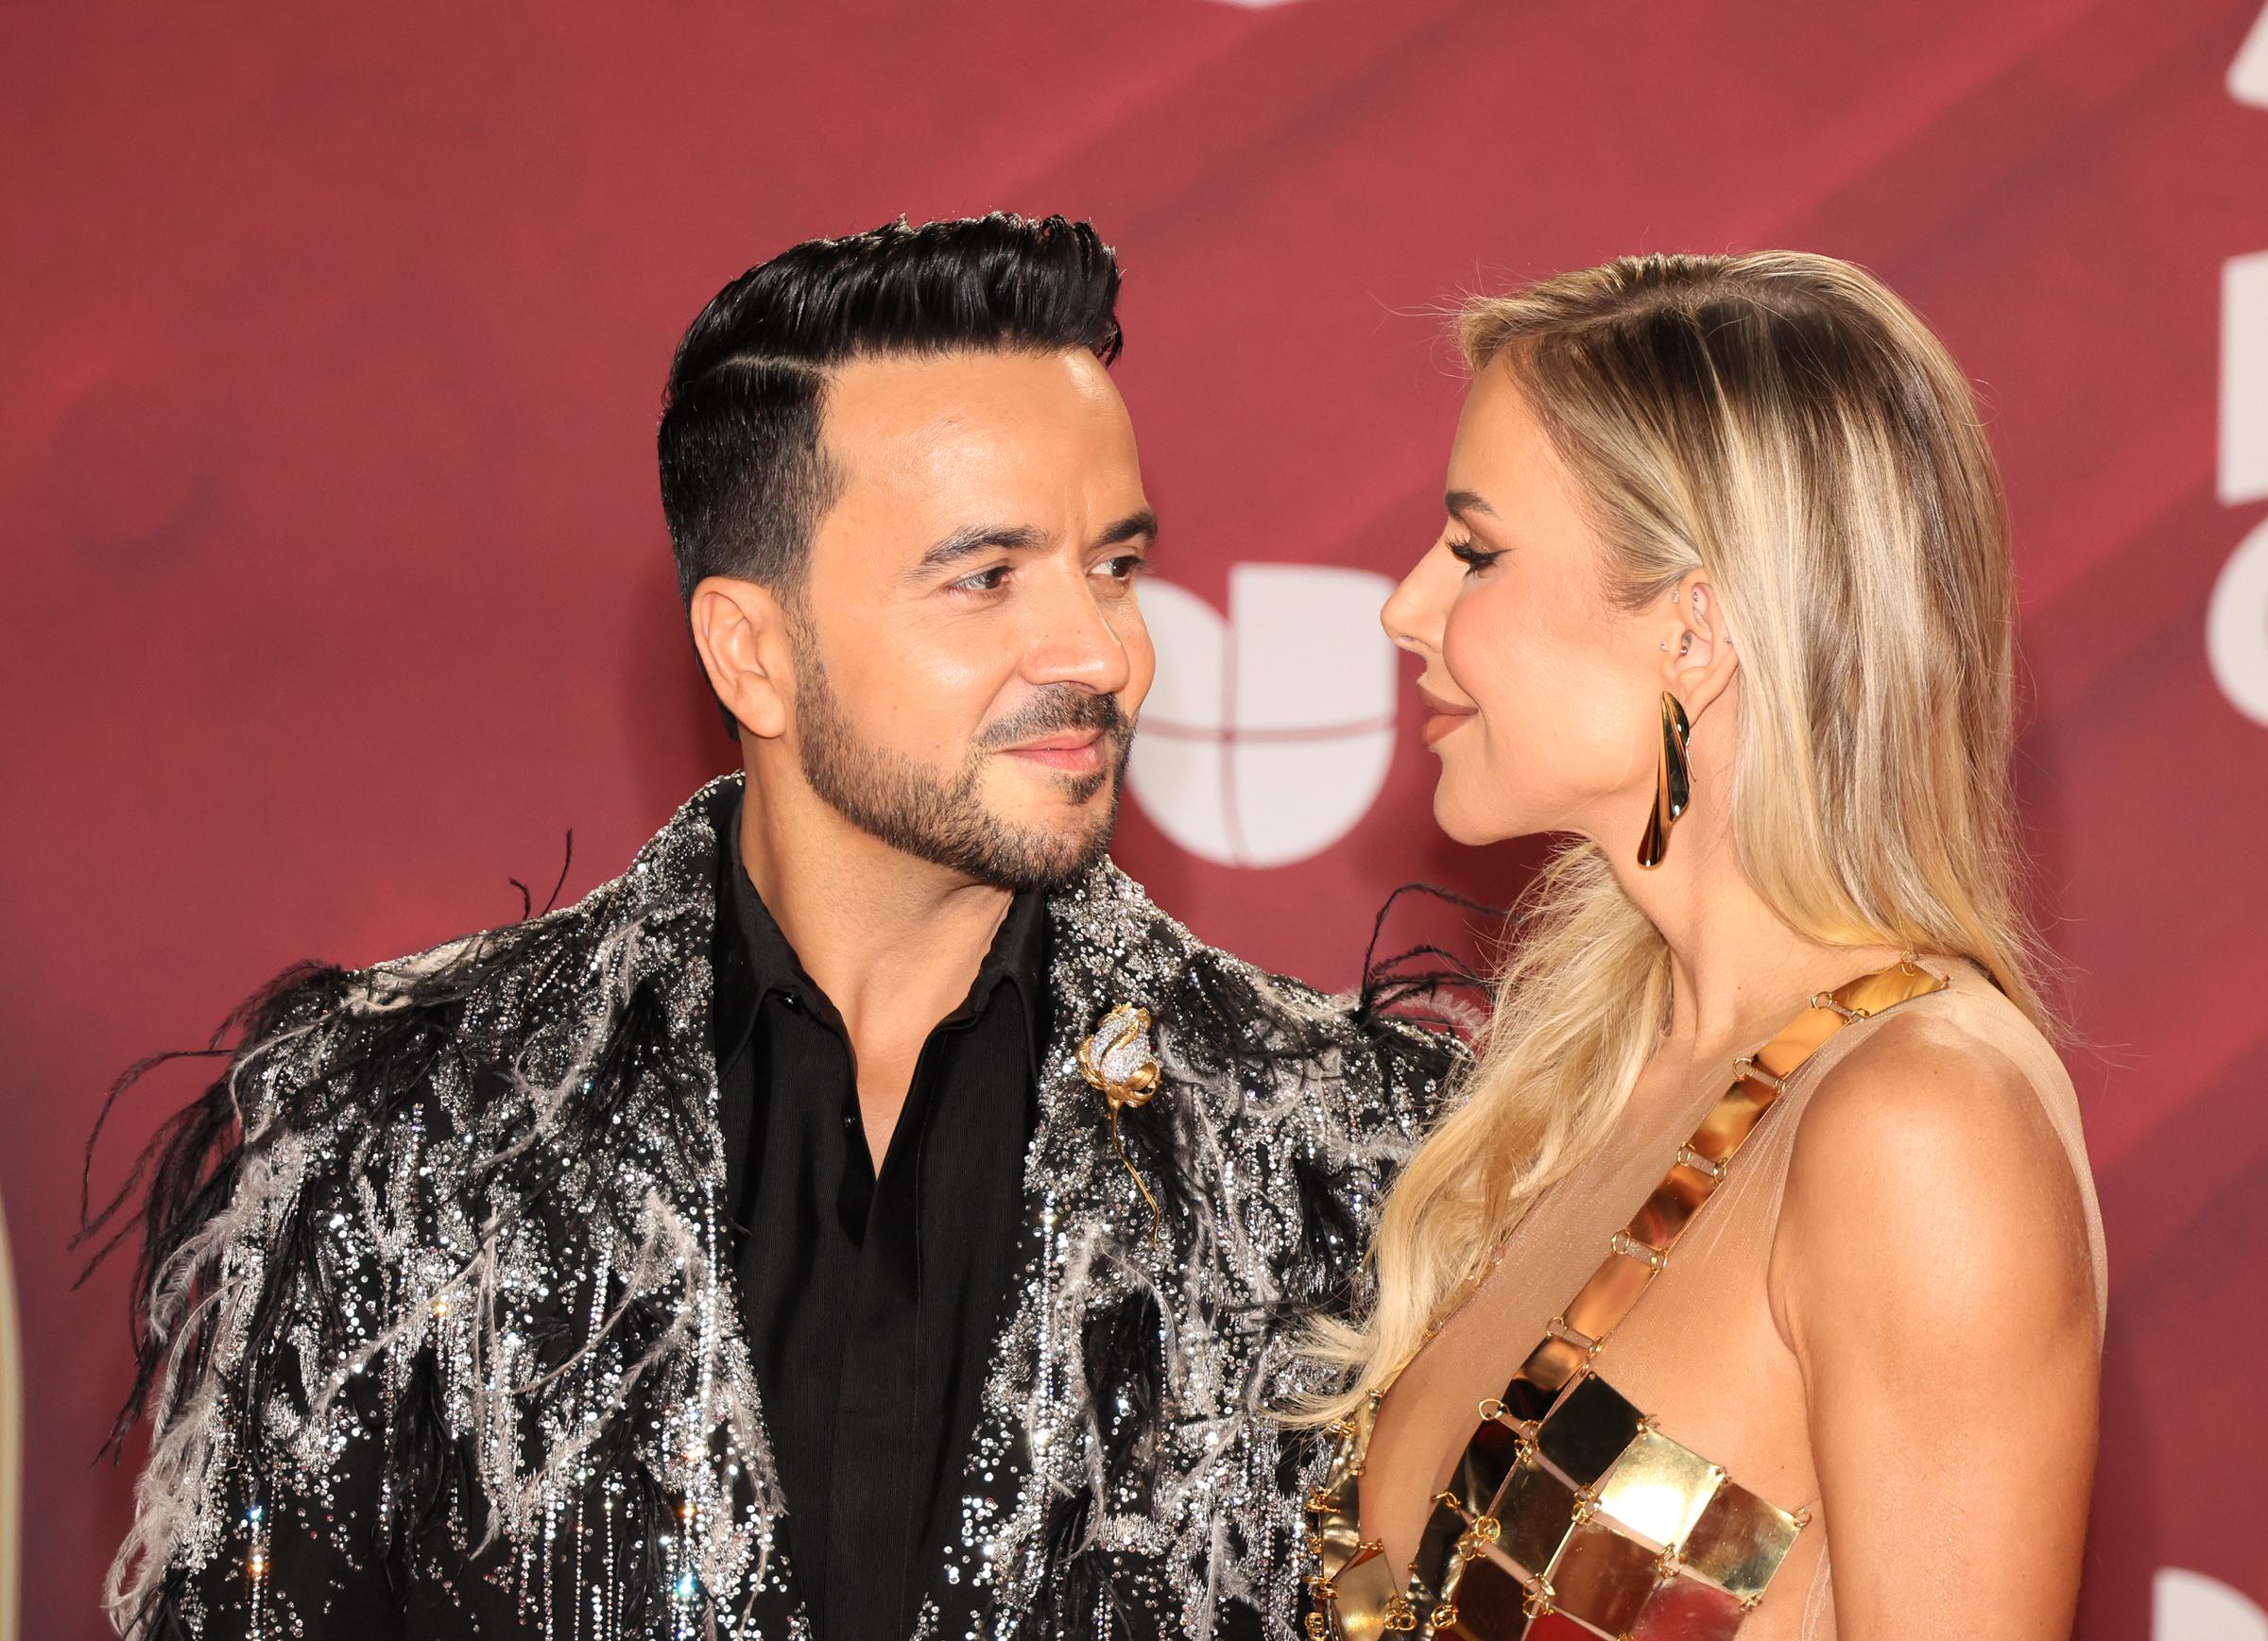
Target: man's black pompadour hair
x=745, y=478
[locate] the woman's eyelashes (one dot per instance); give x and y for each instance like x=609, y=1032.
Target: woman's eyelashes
x=1473, y=556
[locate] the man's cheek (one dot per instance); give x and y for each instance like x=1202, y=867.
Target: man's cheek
x=946, y=680
x=921, y=703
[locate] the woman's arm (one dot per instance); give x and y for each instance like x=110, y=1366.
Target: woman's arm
x=1933, y=1274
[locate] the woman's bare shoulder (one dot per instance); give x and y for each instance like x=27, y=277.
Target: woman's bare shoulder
x=1927, y=1170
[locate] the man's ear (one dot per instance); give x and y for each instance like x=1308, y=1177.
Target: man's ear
x=1700, y=659
x=741, y=632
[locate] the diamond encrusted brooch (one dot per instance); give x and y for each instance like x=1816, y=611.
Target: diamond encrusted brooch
x=1119, y=1061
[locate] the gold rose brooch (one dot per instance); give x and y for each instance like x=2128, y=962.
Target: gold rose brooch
x=1119, y=1061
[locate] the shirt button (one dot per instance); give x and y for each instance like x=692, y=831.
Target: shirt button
x=793, y=1001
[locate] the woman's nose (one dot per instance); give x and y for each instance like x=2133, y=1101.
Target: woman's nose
x=1407, y=615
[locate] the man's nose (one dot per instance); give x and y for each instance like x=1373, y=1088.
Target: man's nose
x=1074, y=642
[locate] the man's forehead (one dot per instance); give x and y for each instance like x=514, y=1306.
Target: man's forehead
x=919, y=399
x=973, y=435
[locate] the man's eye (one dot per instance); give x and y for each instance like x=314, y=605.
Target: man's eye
x=1123, y=568
x=983, y=580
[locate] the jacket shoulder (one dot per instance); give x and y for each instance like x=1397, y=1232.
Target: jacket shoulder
x=1405, y=1062
x=1365, y=1067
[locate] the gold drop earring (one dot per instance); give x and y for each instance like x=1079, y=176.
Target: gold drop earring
x=1672, y=783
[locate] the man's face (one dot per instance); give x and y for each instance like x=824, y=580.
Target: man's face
x=969, y=656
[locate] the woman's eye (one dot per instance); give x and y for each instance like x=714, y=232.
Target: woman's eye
x=1473, y=557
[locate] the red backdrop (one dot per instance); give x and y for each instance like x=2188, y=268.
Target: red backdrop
x=336, y=589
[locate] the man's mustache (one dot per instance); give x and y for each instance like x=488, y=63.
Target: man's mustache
x=1064, y=706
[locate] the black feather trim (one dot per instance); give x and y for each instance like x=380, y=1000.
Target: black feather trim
x=187, y=1171
x=1389, y=985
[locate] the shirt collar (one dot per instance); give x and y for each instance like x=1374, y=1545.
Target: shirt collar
x=754, y=961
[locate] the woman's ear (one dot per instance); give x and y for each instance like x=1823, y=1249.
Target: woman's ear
x=741, y=633
x=1698, y=656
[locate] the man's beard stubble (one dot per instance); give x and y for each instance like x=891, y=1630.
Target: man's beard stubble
x=944, y=821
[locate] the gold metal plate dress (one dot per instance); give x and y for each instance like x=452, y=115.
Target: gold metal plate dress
x=1617, y=1530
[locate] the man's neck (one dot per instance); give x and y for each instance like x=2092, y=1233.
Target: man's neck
x=895, y=942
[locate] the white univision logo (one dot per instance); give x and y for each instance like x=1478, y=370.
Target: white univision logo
x=1266, y=736
x=2186, y=1606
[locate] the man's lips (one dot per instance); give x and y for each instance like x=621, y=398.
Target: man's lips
x=1076, y=750
x=1442, y=716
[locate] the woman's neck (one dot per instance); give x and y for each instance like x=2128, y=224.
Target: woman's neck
x=1736, y=968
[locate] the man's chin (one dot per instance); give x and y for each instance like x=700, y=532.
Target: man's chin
x=1035, y=847
x=1050, y=857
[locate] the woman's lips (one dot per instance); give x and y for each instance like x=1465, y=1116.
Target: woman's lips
x=1442, y=716
x=1440, y=724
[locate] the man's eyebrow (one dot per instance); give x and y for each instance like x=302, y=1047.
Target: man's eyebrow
x=1459, y=502
x=970, y=539
x=1128, y=528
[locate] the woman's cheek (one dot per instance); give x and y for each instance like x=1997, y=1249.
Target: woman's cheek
x=1483, y=653
x=1479, y=645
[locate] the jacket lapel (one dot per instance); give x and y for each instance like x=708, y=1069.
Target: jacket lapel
x=1043, y=1459
x=738, y=1485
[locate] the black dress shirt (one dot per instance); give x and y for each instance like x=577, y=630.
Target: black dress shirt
x=871, y=1300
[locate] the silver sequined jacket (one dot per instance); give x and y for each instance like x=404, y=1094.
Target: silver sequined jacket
x=438, y=1317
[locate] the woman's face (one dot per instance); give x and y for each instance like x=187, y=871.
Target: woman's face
x=1544, y=696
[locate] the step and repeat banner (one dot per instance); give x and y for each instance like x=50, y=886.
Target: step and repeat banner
x=336, y=593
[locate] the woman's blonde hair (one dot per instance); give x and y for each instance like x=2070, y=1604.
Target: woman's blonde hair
x=1784, y=424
